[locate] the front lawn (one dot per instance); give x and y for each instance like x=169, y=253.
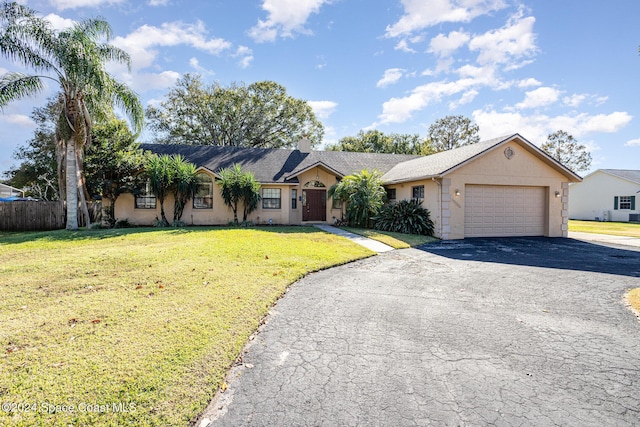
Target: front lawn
x=395, y=240
x=613, y=228
x=138, y=327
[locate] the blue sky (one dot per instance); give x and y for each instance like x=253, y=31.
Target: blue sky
x=530, y=66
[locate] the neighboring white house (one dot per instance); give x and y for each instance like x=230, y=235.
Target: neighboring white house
x=606, y=195
x=7, y=191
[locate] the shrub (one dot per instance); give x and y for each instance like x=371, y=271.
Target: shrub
x=406, y=216
x=123, y=223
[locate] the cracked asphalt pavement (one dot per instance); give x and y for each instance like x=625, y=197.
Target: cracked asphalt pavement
x=521, y=331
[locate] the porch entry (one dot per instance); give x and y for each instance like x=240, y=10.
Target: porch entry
x=314, y=205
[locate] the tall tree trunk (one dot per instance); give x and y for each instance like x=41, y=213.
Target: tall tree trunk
x=82, y=190
x=71, y=185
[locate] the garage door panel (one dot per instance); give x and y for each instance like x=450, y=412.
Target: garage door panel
x=494, y=211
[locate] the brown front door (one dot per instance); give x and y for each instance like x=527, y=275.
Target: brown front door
x=314, y=206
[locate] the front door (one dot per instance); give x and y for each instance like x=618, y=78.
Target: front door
x=314, y=205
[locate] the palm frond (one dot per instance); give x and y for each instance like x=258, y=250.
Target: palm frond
x=14, y=86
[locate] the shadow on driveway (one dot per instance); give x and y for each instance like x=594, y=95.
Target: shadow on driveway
x=561, y=253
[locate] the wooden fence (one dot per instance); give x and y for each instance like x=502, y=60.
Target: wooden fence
x=31, y=216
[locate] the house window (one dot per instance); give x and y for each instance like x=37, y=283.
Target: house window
x=270, y=198
x=336, y=203
x=391, y=194
x=417, y=192
x=294, y=199
x=144, y=198
x=203, y=198
x=624, y=202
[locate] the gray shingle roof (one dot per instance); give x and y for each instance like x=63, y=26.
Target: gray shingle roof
x=278, y=165
x=283, y=166
x=631, y=175
x=439, y=163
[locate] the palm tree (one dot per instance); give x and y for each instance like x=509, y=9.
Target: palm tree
x=160, y=172
x=185, y=185
x=363, y=194
x=237, y=186
x=75, y=59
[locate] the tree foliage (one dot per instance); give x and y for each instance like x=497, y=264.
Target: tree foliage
x=75, y=60
x=566, y=149
x=375, y=141
x=452, y=132
x=185, y=185
x=112, y=161
x=363, y=195
x=261, y=114
x=236, y=187
x=38, y=170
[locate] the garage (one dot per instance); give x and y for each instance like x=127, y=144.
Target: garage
x=502, y=211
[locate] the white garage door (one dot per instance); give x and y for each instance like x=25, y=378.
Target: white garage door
x=497, y=211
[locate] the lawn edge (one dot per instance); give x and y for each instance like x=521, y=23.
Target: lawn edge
x=218, y=404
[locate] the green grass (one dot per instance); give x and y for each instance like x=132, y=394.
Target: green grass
x=395, y=240
x=149, y=320
x=613, y=228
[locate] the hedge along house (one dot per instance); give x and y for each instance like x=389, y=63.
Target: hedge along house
x=502, y=187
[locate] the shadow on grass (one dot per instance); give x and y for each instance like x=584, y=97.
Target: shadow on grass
x=9, y=238
x=560, y=253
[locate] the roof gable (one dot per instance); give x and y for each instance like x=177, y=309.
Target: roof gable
x=439, y=164
x=626, y=174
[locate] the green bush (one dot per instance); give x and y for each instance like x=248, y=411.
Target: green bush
x=406, y=216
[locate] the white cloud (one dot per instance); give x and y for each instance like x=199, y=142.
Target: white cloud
x=466, y=98
x=391, y=76
x=285, y=17
x=398, y=110
x=420, y=14
x=195, y=64
x=530, y=82
x=404, y=46
x=506, y=45
x=73, y=4
x=633, y=143
x=19, y=120
x=541, y=97
x=445, y=45
x=59, y=23
x=142, y=82
x=536, y=127
x=158, y=2
x=574, y=100
x=323, y=109
x=141, y=43
x=246, y=56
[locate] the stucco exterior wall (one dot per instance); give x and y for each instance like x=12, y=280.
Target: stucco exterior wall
x=522, y=169
x=432, y=199
x=594, y=197
x=220, y=214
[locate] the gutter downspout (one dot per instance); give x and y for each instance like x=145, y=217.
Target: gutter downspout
x=439, y=204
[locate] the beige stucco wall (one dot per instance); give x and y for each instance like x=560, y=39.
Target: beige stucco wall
x=220, y=214
x=494, y=168
x=594, y=197
x=431, y=201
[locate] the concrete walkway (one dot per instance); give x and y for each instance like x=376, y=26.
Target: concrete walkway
x=374, y=245
x=606, y=239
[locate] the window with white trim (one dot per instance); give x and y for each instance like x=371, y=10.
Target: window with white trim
x=271, y=198
x=203, y=198
x=145, y=199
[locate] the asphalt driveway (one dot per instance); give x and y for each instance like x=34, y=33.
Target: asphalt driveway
x=482, y=331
